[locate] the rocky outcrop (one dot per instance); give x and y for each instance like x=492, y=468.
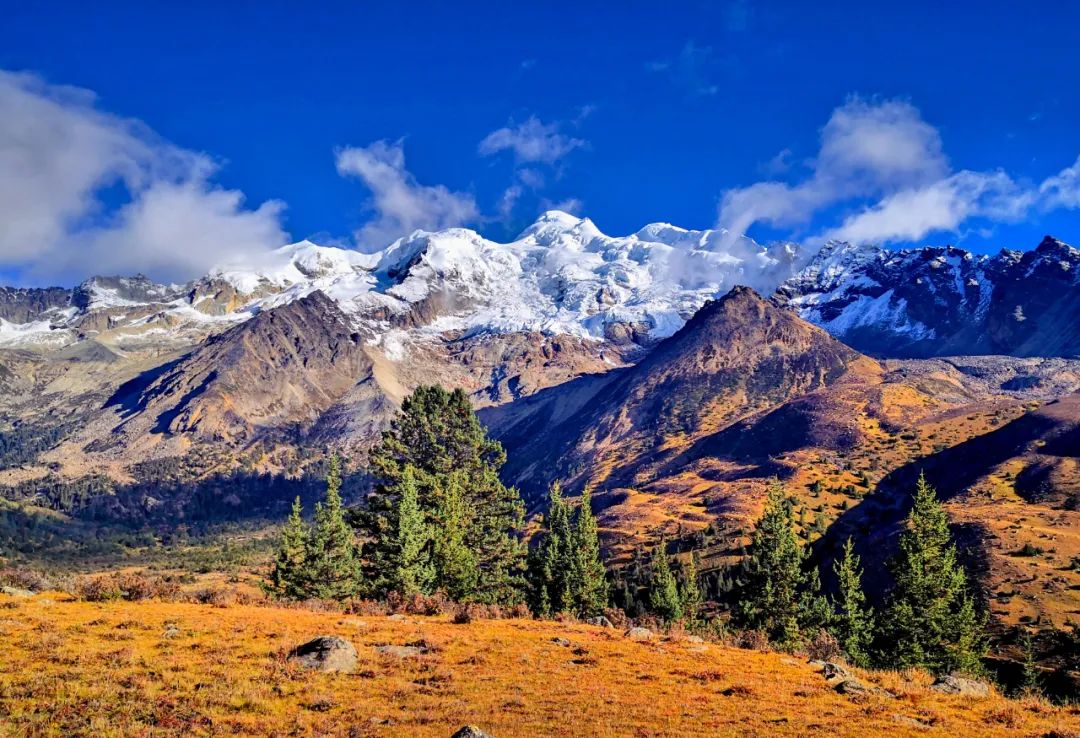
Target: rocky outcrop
x=325, y=653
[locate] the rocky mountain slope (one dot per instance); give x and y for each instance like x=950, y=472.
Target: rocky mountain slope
x=943, y=301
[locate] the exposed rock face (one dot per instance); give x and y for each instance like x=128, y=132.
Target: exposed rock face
x=956, y=684
x=941, y=301
x=325, y=653
x=283, y=368
x=23, y=305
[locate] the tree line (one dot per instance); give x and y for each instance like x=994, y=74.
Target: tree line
x=441, y=520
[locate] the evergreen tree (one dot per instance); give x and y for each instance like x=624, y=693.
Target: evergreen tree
x=549, y=565
x=332, y=567
x=777, y=596
x=854, y=622
x=664, y=600
x=456, y=565
x=287, y=579
x=439, y=436
x=589, y=590
x=690, y=594
x=931, y=617
x=411, y=569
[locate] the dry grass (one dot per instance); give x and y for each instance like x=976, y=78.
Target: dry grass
x=72, y=668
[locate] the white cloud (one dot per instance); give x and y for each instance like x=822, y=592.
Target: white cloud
x=400, y=203
x=58, y=155
x=886, y=153
x=531, y=141
x=1063, y=189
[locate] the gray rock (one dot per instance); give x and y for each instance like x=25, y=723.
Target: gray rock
x=956, y=684
x=853, y=686
x=471, y=731
x=325, y=653
x=639, y=634
x=170, y=632
x=397, y=617
x=695, y=639
x=830, y=670
x=16, y=592
x=401, y=652
x=600, y=621
x=560, y=642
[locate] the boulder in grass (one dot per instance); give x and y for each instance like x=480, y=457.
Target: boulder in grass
x=639, y=634
x=325, y=653
x=956, y=684
x=470, y=731
x=600, y=621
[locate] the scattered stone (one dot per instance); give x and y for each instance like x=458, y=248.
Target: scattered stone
x=853, y=686
x=401, y=652
x=639, y=634
x=910, y=722
x=956, y=684
x=471, y=731
x=354, y=623
x=16, y=592
x=171, y=631
x=397, y=617
x=695, y=639
x=561, y=642
x=832, y=670
x=600, y=621
x=325, y=653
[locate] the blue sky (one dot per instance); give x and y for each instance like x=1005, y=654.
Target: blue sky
x=352, y=121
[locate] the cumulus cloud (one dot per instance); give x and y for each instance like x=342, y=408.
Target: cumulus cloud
x=531, y=141
x=885, y=153
x=59, y=154
x=400, y=204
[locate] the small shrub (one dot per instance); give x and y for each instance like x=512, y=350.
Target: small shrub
x=824, y=647
x=754, y=640
x=29, y=579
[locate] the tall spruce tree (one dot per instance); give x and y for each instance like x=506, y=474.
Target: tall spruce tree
x=777, y=595
x=456, y=564
x=931, y=618
x=410, y=567
x=549, y=561
x=331, y=564
x=664, y=600
x=590, y=591
x=854, y=622
x=690, y=594
x=287, y=580
x=439, y=436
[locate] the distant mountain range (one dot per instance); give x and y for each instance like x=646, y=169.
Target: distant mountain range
x=640, y=365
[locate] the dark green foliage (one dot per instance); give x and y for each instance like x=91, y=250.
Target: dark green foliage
x=322, y=561
x=566, y=571
x=411, y=570
x=664, y=599
x=931, y=619
x=287, y=577
x=478, y=556
x=690, y=594
x=778, y=596
x=854, y=623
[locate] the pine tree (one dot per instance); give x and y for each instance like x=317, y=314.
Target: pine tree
x=664, y=600
x=931, y=617
x=455, y=563
x=439, y=436
x=332, y=567
x=411, y=570
x=287, y=579
x=854, y=622
x=549, y=566
x=777, y=596
x=589, y=590
x=690, y=594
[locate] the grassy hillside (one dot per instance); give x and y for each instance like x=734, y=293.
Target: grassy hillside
x=73, y=668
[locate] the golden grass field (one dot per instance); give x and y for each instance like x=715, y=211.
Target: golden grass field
x=73, y=668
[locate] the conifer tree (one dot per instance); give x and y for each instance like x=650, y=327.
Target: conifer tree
x=690, y=595
x=439, y=436
x=455, y=563
x=411, y=570
x=854, y=622
x=931, y=618
x=664, y=598
x=287, y=577
x=589, y=590
x=778, y=597
x=331, y=564
x=549, y=565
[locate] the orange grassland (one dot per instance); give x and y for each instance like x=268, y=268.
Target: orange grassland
x=73, y=668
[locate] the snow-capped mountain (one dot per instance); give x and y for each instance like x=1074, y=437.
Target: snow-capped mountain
x=939, y=301
x=561, y=276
